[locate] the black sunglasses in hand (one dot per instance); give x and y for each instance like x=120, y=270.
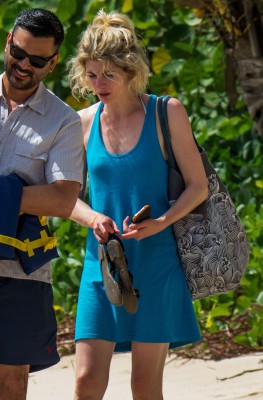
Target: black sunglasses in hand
x=35, y=61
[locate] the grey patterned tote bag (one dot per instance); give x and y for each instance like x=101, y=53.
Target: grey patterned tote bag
x=211, y=240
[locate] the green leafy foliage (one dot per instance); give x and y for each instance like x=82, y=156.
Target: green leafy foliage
x=67, y=268
x=187, y=61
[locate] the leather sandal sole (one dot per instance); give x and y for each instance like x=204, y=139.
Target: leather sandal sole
x=117, y=256
x=111, y=286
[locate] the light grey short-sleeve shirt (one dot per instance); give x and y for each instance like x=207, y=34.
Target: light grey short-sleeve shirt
x=41, y=140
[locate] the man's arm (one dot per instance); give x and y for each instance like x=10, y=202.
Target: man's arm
x=55, y=200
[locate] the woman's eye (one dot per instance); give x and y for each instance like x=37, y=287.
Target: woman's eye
x=109, y=75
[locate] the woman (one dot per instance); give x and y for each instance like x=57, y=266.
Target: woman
x=127, y=169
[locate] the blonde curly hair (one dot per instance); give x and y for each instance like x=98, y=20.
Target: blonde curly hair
x=110, y=38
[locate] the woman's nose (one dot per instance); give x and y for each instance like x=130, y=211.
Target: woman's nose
x=100, y=82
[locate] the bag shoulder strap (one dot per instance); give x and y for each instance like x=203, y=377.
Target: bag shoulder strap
x=163, y=118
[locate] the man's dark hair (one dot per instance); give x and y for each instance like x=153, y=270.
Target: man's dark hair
x=40, y=23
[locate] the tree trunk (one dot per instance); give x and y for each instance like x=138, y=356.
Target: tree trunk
x=240, y=25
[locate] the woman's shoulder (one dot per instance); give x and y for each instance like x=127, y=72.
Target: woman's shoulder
x=175, y=109
x=172, y=103
x=89, y=112
x=87, y=116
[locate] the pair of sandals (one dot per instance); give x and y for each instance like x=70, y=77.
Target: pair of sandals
x=114, y=262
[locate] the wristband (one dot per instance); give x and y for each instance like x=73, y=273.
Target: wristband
x=94, y=219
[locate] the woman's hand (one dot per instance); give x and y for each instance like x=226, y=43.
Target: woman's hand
x=141, y=230
x=103, y=226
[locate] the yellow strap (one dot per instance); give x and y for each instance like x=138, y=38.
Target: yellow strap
x=43, y=220
x=48, y=242
x=10, y=241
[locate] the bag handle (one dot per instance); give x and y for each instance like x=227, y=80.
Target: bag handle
x=163, y=118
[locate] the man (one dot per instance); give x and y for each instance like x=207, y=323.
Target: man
x=41, y=142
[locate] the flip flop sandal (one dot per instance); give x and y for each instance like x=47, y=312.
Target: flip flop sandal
x=117, y=257
x=111, y=286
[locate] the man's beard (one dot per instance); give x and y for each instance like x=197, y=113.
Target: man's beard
x=15, y=82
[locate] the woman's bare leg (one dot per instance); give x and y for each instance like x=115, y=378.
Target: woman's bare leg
x=93, y=358
x=148, y=361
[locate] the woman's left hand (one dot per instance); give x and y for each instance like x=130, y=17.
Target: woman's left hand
x=141, y=230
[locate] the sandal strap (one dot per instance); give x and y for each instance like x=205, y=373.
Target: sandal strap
x=113, y=236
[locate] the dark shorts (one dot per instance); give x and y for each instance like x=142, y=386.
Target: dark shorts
x=27, y=324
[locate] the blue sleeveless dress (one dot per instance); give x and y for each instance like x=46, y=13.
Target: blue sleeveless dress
x=119, y=185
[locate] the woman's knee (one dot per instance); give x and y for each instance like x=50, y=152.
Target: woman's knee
x=93, y=359
x=90, y=385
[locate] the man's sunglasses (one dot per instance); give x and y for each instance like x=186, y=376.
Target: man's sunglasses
x=35, y=61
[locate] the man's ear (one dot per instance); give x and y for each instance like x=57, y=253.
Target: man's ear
x=8, y=40
x=53, y=62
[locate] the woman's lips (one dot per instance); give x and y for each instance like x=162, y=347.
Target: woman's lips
x=103, y=94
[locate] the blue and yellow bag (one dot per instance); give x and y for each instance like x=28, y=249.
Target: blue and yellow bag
x=23, y=236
